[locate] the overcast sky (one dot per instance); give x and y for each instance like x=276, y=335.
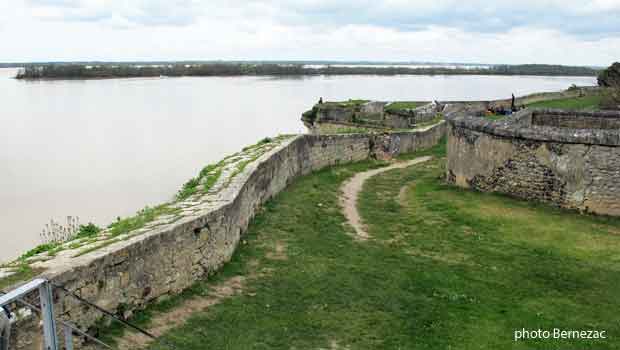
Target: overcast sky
x=575, y=32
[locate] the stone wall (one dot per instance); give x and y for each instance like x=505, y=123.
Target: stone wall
x=478, y=108
x=126, y=276
x=368, y=114
x=576, y=120
x=386, y=146
x=571, y=168
x=373, y=107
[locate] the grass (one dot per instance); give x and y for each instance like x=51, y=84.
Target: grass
x=144, y=216
x=22, y=272
x=366, y=130
x=109, y=330
x=578, y=103
x=259, y=144
x=495, y=116
x=41, y=248
x=96, y=247
x=401, y=105
x=435, y=120
x=207, y=176
x=52, y=248
x=446, y=269
x=347, y=103
x=210, y=174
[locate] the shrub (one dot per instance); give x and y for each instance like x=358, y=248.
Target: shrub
x=310, y=116
x=264, y=141
x=89, y=230
x=610, y=77
x=188, y=188
x=611, y=99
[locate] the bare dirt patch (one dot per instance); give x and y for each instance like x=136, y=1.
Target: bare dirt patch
x=163, y=322
x=402, y=194
x=350, y=191
x=278, y=252
x=160, y=323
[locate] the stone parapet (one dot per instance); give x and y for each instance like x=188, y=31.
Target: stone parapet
x=559, y=157
x=166, y=258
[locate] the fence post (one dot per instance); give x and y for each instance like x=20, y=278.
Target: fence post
x=47, y=315
x=68, y=337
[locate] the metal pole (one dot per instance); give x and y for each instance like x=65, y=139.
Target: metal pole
x=47, y=314
x=68, y=337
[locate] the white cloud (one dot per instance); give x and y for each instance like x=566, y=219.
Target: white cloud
x=148, y=12
x=440, y=30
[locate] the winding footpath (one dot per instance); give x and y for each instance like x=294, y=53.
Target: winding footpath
x=351, y=189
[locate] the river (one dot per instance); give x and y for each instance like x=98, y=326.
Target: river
x=99, y=149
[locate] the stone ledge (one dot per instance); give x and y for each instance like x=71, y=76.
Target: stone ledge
x=511, y=128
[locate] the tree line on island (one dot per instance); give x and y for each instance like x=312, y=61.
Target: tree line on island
x=126, y=70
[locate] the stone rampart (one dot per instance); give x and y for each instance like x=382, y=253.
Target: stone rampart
x=569, y=159
x=128, y=274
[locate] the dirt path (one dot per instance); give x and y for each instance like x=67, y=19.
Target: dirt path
x=162, y=322
x=176, y=317
x=353, y=186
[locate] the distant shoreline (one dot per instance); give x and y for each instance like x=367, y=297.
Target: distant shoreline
x=110, y=71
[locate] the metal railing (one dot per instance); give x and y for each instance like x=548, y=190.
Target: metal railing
x=50, y=336
x=46, y=310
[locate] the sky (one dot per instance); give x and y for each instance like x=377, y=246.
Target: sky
x=571, y=32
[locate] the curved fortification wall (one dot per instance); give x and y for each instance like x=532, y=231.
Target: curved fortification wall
x=570, y=159
x=171, y=256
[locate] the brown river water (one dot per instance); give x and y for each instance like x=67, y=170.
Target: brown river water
x=99, y=149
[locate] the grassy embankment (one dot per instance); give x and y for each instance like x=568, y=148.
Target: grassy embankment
x=402, y=105
x=445, y=268
x=584, y=103
x=589, y=103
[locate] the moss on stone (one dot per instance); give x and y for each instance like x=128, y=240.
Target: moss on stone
x=138, y=221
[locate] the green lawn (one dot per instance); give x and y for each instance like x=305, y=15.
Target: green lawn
x=579, y=103
x=401, y=105
x=446, y=269
x=347, y=103
x=495, y=117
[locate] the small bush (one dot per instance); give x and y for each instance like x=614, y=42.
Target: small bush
x=310, y=116
x=89, y=230
x=611, y=99
x=264, y=141
x=188, y=189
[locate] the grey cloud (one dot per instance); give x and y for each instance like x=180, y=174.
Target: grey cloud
x=143, y=12
x=583, y=18
x=473, y=16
